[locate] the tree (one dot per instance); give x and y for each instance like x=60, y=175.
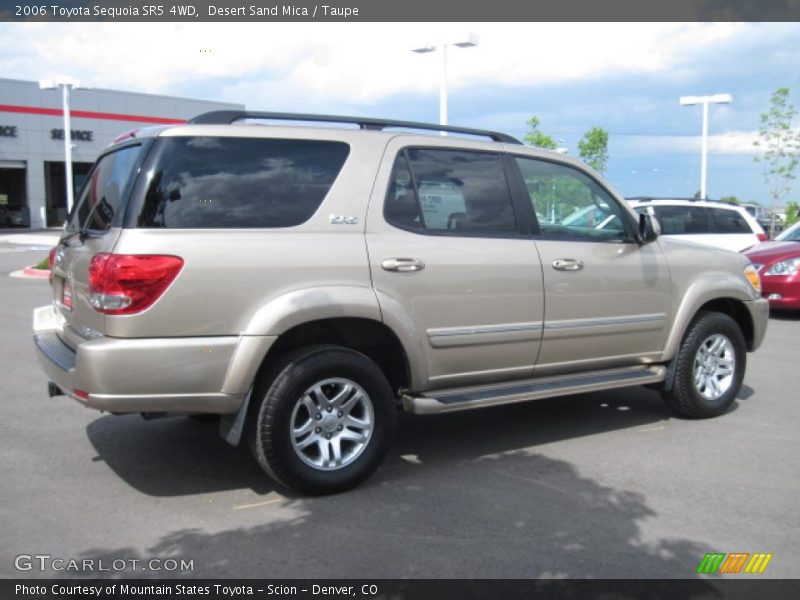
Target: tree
x=779, y=144
x=535, y=137
x=593, y=149
x=730, y=200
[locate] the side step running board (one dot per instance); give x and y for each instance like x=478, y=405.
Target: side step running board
x=465, y=398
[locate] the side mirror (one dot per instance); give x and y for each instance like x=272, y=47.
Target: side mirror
x=649, y=229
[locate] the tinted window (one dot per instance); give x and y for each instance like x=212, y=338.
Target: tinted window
x=790, y=235
x=102, y=194
x=214, y=182
x=450, y=190
x=568, y=203
x=401, y=206
x=682, y=220
x=728, y=221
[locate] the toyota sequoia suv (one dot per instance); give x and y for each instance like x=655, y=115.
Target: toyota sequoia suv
x=303, y=284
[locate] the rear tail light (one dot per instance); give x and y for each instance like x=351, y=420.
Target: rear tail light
x=125, y=284
x=762, y=237
x=51, y=260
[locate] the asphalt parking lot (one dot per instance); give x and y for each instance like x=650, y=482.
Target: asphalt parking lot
x=606, y=485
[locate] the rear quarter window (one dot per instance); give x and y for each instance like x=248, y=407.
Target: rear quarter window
x=102, y=195
x=224, y=182
x=728, y=221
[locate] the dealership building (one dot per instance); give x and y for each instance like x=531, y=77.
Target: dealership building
x=32, y=178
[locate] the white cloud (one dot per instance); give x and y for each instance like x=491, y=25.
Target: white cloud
x=731, y=142
x=349, y=62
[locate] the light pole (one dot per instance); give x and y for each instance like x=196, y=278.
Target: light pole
x=471, y=41
x=66, y=84
x=705, y=101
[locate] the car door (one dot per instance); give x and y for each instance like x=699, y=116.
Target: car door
x=607, y=298
x=455, y=276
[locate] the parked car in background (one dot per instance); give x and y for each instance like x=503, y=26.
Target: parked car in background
x=760, y=214
x=10, y=217
x=778, y=264
x=706, y=222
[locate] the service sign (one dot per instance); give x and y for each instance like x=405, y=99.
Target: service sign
x=77, y=135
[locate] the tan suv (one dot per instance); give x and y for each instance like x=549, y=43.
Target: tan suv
x=307, y=282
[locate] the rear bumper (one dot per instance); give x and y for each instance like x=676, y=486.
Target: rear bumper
x=759, y=315
x=169, y=375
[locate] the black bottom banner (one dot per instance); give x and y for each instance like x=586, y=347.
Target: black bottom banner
x=401, y=589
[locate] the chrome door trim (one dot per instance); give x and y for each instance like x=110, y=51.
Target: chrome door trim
x=626, y=323
x=484, y=334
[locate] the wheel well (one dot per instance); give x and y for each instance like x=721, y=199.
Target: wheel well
x=371, y=338
x=735, y=310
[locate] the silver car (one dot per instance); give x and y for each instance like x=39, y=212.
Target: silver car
x=305, y=283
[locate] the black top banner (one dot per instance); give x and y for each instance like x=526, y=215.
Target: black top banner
x=399, y=10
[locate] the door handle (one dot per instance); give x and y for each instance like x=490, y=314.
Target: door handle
x=403, y=265
x=567, y=264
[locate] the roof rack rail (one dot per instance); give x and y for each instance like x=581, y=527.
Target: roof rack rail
x=226, y=117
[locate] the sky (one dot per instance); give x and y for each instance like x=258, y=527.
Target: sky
x=626, y=78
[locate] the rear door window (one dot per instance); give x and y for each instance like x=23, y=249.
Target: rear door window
x=455, y=191
x=683, y=220
x=224, y=182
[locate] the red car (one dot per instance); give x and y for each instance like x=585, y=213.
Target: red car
x=778, y=264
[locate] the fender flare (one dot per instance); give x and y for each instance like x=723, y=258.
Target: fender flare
x=717, y=285
x=282, y=313
x=313, y=304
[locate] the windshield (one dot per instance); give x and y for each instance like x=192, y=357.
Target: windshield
x=790, y=235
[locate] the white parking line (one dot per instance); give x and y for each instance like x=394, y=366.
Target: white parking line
x=23, y=239
x=257, y=504
x=12, y=249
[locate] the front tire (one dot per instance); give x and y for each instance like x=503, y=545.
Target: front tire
x=710, y=367
x=325, y=420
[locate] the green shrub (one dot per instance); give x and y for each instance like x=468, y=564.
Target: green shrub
x=44, y=264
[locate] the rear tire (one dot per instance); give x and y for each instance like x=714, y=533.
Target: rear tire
x=710, y=367
x=323, y=421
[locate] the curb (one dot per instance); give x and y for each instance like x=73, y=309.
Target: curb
x=31, y=273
